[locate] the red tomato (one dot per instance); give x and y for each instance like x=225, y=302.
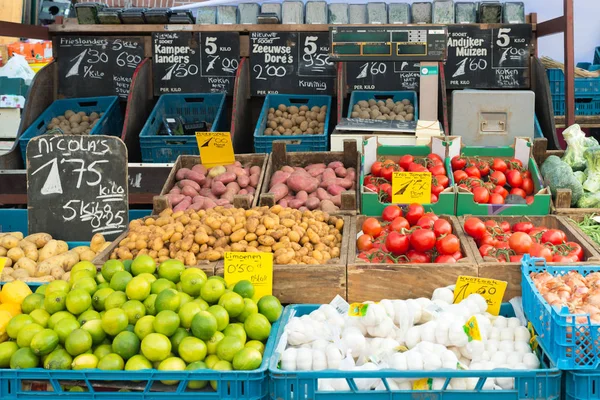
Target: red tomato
x=426, y=222
x=490, y=223
x=457, y=256
x=376, y=168
x=458, y=163
x=364, y=242
x=441, y=227
x=391, y=212
x=576, y=250
x=434, y=198
x=518, y=192
x=372, y=187
x=520, y=242
x=422, y=239
x=436, y=162
x=481, y=195
x=498, y=178
x=505, y=226
x=437, y=189
x=484, y=168
x=414, y=167
x=397, y=243
x=514, y=179
x=526, y=174
x=398, y=224
x=488, y=239
x=406, y=160
x=473, y=172
x=502, y=245
x=387, y=189
x=437, y=170
x=474, y=227
x=449, y=244
x=516, y=163
x=387, y=172
x=414, y=212
x=496, y=198
x=485, y=249
x=553, y=236
x=460, y=175
x=529, y=200
x=433, y=156
x=417, y=257
x=522, y=227
x=538, y=250
x=442, y=180
x=499, y=165
x=564, y=259
x=445, y=259
x=516, y=258
x=371, y=227
x=501, y=191
x=527, y=186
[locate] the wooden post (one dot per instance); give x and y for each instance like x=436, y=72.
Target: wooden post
x=569, y=63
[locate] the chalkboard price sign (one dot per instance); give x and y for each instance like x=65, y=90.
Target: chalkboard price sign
x=91, y=66
x=77, y=186
x=290, y=62
x=495, y=58
x=377, y=75
x=191, y=62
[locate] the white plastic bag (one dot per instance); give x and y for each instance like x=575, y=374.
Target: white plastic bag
x=18, y=67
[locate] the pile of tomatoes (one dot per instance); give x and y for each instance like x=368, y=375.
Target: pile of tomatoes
x=508, y=243
x=491, y=182
x=404, y=236
x=380, y=178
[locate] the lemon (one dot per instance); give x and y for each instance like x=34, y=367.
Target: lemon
x=14, y=292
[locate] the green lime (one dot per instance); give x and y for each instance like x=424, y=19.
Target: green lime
x=250, y=307
x=24, y=358
x=55, y=301
x=102, y=350
x=220, y=366
x=177, y=337
x=26, y=334
x=114, y=321
x=100, y=297
x=75, y=276
x=228, y=346
x=64, y=328
x=134, y=310
x=211, y=360
x=245, y=289
x=221, y=315
x=59, y=316
x=193, y=271
x=103, y=285
x=212, y=290
x=149, y=277
x=233, y=303
x=166, y=322
x=257, y=327
x=59, y=359
x=171, y=270
x=41, y=290
x=17, y=323
x=127, y=264
x=202, y=303
x=193, y=367
x=204, y=325
x=138, y=362
x=156, y=347
x=84, y=266
x=40, y=317
x=84, y=361
x=110, y=268
x=187, y=313
x=219, y=278
x=78, y=301
x=88, y=284
x=192, y=283
x=32, y=302
x=138, y=288
x=161, y=284
x=115, y=300
x=94, y=328
x=144, y=326
x=88, y=316
x=120, y=280
x=126, y=344
x=57, y=286
x=168, y=299
x=192, y=349
x=214, y=341
x=78, y=342
x=184, y=298
x=270, y=307
x=7, y=349
x=247, y=359
x=143, y=264
x=236, y=329
x=100, y=278
x=171, y=364
x=111, y=362
x=149, y=304
x=44, y=342
x=255, y=344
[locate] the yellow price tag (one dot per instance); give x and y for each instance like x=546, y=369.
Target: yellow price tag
x=411, y=187
x=2, y=263
x=215, y=148
x=254, y=267
x=492, y=291
x=423, y=384
x=471, y=328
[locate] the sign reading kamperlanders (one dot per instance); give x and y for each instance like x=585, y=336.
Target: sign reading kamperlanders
x=254, y=267
x=215, y=148
x=492, y=291
x=411, y=187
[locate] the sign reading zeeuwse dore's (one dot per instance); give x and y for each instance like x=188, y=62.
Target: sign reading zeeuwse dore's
x=77, y=186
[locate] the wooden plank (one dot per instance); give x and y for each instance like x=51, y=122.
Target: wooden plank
x=11, y=11
x=280, y=157
x=139, y=107
x=585, y=121
x=511, y=271
x=241, y=201
x=375, y=281
x=12, y=29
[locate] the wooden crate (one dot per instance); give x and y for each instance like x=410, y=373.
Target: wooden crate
x=207, y=266
x=311, y=284
x=279, y=157
x=240, y=201
x=511, y=272
x=573, y=220
x=374, y=282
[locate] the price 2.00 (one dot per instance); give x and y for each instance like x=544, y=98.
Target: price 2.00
x=269, y=71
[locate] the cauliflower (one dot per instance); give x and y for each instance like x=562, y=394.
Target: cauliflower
x=577, y=144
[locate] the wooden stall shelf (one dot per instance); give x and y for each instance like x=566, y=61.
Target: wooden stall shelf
x=573, y=219
x=374, y=282
x=239, y=201
x=279, y=157
x=311, y=284
x=511, y=272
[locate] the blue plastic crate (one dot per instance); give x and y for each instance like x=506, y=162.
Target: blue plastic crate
x=199, y=107
x=587, y=91
x=143, y=384
x=111, y=123
x=542, y=383
x=359, y=95
x=264, y=144
x=570, y=344
x=537, y=129
x=597, y=56
x=582, y=385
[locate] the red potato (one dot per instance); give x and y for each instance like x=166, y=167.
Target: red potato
x=243, y=191
x=228, y=195
x=289, y=197
x=335, y=164
x=239, y=171
x=180, y=175
x=341, y=172
x=334, y=190
x=196, y=206
x=315, y=172
x=287, y=168
x=328, y=174
x=302, y=181
x=218, y=188
x=183, y=205
x=199, y=168
x=175, y=190
x=302, y=195
x=187, y=182
x=206, y=192
x=283, y=203
x=279, y=177
x=226, y=177
x=296, y=204
x=251, y=190
x=312, y=203
x=208, y=204
x=279, y=191
x=175, y=199
x=351, y=174
x=223, y=202
x=303, y=209
x=198, y=199
x=343, y=182
x=243, y=181
x=207, y=182
x=254, y=180
x=315, y=166
x=328, y=206
x=313, y=195
x=337, y=200
x=189, y=191
x=233, y=187
x=237, y=163
x=255, y=169
x=247, y=169
x=196, y=177
x=322, y=194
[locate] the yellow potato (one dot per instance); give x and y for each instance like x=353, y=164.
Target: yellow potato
x=9, y=242
x=15, y=254
x=39, y=239
x=97, y=242
x=29, y=265
x=65, y=261
x=30, y=250
x=87, y=255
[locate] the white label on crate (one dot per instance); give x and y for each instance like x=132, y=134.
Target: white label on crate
x=340, y=305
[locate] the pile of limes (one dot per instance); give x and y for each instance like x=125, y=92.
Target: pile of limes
x=134, y=316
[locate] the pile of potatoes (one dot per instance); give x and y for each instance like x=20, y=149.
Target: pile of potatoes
x=293, y=120
x=387, y=110
x=316, y=186
x=293, y=236
x=73, y=123
x=202, y=188
x=39, y=258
